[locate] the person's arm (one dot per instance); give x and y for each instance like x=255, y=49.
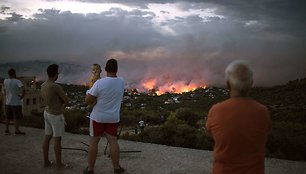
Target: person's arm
x=22, y=92
x=63, y=96
x=90, y=100
x=91, y=95
x=43, y=104
x=21, y=89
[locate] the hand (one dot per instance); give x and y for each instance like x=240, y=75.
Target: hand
x=97, y=73
x=93, y=104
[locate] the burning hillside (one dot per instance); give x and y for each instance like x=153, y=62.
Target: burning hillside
x=172, y=87
x=144, y=80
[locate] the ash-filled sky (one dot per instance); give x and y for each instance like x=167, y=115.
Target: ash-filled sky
x=160, y=41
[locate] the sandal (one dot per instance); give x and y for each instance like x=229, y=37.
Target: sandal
x=120, y=170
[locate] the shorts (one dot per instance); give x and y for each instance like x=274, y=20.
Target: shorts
x=54, y=124
x=99, y=129
x=13, y=112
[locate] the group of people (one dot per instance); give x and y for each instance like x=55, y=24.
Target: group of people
x=238, y=125
x=104, y=98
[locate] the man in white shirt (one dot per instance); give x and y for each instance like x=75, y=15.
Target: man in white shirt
x=107, y=93
x=14, y=93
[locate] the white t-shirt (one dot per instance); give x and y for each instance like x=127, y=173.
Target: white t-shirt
x=12, y=91
x=109, y=92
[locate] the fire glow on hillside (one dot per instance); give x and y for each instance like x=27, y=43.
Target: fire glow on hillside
x=172, y=87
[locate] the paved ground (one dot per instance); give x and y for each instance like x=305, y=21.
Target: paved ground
x=23, y=154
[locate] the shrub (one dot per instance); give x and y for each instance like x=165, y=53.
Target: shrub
x=187, y=115
x=173, y=132
x=286, y=146
x=203, y=141
x=75, y=120
x=152, y=135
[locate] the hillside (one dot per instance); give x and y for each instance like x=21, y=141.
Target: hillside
x=286, y=103
x=287, y=106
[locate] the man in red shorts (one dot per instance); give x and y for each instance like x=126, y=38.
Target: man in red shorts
x=239, y=126
x=107, y=93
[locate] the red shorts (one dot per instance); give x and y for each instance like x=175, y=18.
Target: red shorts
x=99, y=129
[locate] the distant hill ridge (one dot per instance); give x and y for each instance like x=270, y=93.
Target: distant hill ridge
x=76, y=73
x=291, y=94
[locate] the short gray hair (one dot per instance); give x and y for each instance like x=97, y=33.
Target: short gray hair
x=239, y=75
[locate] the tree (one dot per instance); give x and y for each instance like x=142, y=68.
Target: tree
x=187, y=115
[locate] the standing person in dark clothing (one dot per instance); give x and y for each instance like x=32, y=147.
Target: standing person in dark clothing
x=14, y=93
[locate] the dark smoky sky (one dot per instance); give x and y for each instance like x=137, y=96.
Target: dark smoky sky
x=269, y=34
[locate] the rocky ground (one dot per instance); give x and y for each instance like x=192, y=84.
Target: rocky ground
x=23, y=154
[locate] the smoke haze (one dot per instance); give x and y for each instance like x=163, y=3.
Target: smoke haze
x=184, y=42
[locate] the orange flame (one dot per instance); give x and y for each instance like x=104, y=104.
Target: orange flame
x=149, y=84
x=174, y=87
